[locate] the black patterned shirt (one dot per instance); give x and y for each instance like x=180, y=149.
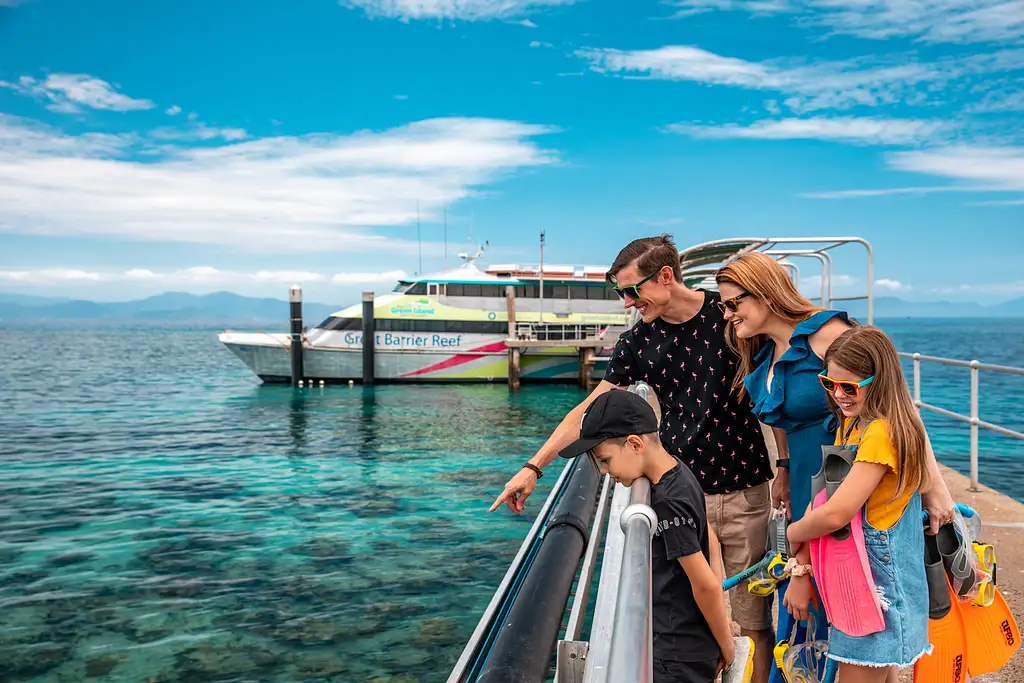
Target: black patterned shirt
x=703, y=423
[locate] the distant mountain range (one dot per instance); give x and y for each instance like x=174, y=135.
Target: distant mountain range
x=894, y=307
x=225, y=308
x=172, y=309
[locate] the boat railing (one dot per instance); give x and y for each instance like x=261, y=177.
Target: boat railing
x=563, y=332
x=974, y=419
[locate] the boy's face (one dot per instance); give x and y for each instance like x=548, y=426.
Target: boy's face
x=623, y=462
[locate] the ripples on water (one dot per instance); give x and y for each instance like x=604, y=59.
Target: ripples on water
x=164, y=518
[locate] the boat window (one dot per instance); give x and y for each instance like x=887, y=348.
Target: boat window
x=418, y=288
x=492, y=290
x=559, y=292
x=597, y=293
x=454, y=289
x=470, y=290
x=333, y=324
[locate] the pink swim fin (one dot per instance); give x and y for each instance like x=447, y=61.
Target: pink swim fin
x=841, y=567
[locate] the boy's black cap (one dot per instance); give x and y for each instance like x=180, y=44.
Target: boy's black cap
x=613, y=414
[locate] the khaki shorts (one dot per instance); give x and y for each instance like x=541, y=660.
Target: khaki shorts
x=740, y=520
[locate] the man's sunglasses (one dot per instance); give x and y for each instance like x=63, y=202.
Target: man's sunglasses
x=848, y=388
x=632, y=290
x=733, y=303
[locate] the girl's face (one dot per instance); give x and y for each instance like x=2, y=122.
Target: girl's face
x=844, y=383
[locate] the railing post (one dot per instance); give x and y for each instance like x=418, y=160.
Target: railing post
x=974, y=425
x=632, y=657
x=917, y=381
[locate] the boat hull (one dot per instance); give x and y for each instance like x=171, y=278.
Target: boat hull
x=483, y=359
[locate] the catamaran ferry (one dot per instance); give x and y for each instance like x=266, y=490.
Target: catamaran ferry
x=453, y=326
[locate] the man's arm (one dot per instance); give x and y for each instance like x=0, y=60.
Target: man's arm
x=520, y=486
x=707, y=592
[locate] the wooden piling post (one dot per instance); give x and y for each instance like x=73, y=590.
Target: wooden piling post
x=513, y=353
x=295, y=309
x=369, y=338
x=586, y=359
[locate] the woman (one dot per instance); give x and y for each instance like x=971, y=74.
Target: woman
x=781, y=338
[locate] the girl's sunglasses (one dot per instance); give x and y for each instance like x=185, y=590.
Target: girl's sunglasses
x=632, y=290
x=848, y=388
x=733, y=303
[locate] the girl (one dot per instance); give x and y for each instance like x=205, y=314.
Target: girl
x=878, y=420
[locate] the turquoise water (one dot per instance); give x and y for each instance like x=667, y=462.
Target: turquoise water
x=163, y=517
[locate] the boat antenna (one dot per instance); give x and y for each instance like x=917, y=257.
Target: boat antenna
x=446, y=236
x=541, y=269
x=419, y=242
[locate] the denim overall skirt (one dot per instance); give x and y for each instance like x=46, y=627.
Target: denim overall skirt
x=896, y=558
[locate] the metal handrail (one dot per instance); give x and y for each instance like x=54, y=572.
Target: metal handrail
x=974, y=420
x=631, y=656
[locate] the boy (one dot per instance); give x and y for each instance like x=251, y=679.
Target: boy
x=691, y=634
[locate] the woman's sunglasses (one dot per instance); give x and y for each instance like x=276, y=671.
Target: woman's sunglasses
x=632, y=290
x=849, y=388
x=733, y=303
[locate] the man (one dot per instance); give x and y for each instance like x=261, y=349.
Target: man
x=679, y=349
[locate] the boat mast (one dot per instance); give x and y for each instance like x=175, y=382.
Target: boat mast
x=541, y=277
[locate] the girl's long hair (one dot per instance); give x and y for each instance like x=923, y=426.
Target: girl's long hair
x=763, y=277
x=867, y=351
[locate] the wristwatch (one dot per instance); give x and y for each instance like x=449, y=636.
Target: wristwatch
x=782, y=463
x=531, y=466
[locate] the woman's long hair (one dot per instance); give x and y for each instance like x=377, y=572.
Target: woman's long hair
x=867, y=351
x=763, y=277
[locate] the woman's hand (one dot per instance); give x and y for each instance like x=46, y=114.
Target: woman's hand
x=799, y=596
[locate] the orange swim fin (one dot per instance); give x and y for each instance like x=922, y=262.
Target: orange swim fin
x=992, y=635
x=948, y=661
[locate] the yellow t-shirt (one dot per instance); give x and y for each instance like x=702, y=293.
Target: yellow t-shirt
x=873, y=445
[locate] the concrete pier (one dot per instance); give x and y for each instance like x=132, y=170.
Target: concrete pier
x=1002, y=525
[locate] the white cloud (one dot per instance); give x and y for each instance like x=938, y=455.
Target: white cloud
x=366, y=278
x=858, y=130
x=304, y=193
x=401, y=97
x=198, y=132
x=972, y=168
x=173, y=111
x=49, y=275
x=929, y=21
x=197, y=275
x=68, y=93
x=880, y=192
x=891, y=285
x=468, y=10
x=526, y=22
x=998, y=288
x=540, y=43
x=999, y=168
x=808, y=86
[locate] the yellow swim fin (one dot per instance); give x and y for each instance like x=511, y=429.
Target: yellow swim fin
x=992, y=635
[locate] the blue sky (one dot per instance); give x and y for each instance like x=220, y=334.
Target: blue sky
x=198, y=146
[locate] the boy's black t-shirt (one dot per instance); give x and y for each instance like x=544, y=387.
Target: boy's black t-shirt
x=703, y=423
x=681, y=632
